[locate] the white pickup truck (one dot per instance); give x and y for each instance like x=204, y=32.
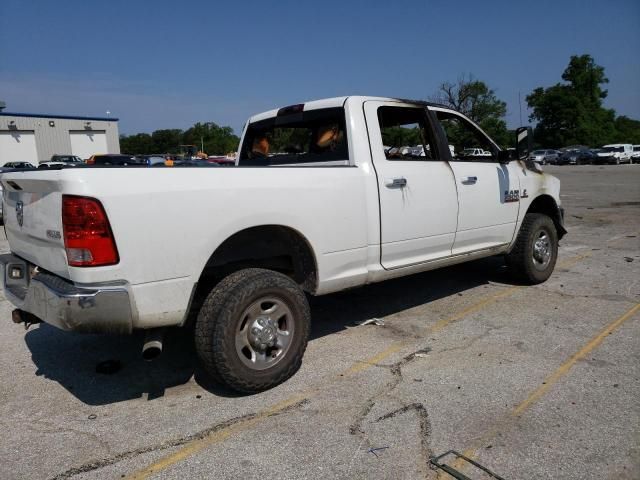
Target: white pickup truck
x=314, y=205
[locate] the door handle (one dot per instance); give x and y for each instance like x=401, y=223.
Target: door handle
x=469, y=180
x=396, y=182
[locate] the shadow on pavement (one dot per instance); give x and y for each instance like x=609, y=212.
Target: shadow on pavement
x=332, y=313
x=70, y=359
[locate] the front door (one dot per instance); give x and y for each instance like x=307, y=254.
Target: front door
x=488, y=191
x=418, y=198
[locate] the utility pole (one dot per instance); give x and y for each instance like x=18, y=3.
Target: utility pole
x=520, y=107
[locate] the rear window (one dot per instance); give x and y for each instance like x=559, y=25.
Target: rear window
x=300, y=138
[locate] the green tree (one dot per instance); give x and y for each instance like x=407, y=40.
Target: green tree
x=215, y=139
x=627, y=131
x=167, y=141
x=477, y=101
x=138, y=144
x=572, y=113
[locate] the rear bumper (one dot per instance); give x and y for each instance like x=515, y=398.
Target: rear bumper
x=58, y=302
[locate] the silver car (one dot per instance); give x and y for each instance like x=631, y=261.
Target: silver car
x=545, y=156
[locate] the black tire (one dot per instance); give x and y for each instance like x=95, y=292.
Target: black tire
x=524, y=260
x=224, y=315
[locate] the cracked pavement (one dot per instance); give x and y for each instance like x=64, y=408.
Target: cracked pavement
x=533, y=382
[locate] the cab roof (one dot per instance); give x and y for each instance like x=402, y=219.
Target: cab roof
x=338, y=102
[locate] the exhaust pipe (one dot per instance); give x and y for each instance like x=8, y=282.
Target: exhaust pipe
x=152, y=347
x=16, y=316
x=20, y=316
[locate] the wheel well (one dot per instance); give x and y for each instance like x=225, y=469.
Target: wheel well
x=546, y=205
x=273, y=247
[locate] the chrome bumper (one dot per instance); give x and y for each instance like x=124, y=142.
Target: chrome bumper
x=58, y=302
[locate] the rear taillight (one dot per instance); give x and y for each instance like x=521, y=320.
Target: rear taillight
x=88, y=239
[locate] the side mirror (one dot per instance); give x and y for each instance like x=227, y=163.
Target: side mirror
x=524, y=142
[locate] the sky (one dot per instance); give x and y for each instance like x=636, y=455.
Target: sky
x=169, y=64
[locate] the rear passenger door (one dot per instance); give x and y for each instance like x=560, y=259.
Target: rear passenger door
x=488, y=191
x=418, y=199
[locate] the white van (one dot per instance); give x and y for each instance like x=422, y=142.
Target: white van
x=617, y=153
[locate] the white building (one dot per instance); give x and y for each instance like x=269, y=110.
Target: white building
x=31, y=137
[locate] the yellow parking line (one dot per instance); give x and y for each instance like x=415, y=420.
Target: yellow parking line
x=218, y=436
x=622, y=237
x=573, y=260
x=539, y=392
x=373, y=361
x=472, y=309
x=566, y=366
x=196, y=446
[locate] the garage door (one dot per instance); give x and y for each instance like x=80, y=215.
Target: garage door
x=85, y=143
x=18, y=146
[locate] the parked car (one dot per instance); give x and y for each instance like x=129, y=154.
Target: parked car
x=333, y=213
x=20, y=165
x=222, y=160
x=577, y=157
x=72, y=160
x=545, y=156
x=474, y=153
x=635, y=156
x=151, y=160
x=113, y=159
x=615, y=154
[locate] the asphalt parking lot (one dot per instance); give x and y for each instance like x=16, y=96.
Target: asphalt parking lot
x=531, y=382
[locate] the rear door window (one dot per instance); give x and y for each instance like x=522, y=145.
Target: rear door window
x=304, y=138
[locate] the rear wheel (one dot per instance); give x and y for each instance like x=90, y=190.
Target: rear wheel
x=535, y=252
x=252, y=330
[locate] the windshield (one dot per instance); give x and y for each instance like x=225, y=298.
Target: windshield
x=296, y=138
x=538, y=152
x=612, y=149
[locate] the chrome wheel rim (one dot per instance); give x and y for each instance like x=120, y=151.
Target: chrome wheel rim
x=541, y=250
x=264, y=333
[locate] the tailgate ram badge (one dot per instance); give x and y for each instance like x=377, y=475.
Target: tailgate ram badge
x=20, y=213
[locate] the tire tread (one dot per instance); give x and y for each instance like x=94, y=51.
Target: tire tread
x=213, y=327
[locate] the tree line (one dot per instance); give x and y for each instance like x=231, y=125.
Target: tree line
x=208, y=137
x=571, y=113
x=567, y=113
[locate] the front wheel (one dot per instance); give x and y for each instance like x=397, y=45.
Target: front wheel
x=252, y=330
x=535, y=252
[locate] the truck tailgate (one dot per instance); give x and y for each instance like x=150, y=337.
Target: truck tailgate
x=33, y=220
